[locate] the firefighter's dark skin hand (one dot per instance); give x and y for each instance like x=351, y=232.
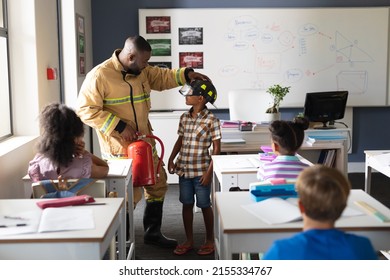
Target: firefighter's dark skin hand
x=129, y=134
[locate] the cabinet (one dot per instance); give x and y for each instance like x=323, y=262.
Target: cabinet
x=312, y=154
x=165, y=125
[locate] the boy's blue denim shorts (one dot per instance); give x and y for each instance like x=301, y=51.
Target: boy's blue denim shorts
x=190, y=187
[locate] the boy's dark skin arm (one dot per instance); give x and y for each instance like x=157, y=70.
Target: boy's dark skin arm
x=175, y=151
x=205, y=180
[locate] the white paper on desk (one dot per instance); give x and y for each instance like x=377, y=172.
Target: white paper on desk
x=30, y=218
x=383, y=159
x=66, y=218
x=236, y=163
x=275, y=210
x=116, y=168
x=256, y=162
x=351, y=212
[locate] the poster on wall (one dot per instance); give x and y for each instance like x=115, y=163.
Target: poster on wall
x=158, y=25
x=80, y=26
x=191, y=59
x=160, y=47
x=191, y=36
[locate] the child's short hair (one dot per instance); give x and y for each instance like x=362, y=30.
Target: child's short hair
x=289, y=135
x=323, y=192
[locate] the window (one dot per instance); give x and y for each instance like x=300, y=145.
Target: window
x=5, y=95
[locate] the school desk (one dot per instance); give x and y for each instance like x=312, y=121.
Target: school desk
x=89, y=244
x=237, y=230
x=372, y=162
x=118, y=180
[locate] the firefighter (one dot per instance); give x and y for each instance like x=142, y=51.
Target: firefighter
x=114, y=99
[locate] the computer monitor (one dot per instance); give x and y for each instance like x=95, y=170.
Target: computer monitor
x=325, y=107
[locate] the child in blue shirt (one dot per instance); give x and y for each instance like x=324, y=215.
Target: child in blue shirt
x=323, y=194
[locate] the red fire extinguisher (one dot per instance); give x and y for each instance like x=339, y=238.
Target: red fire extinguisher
x=141, y=153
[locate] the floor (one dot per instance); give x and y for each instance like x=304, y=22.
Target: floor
x=380, y=186
x=173, y=227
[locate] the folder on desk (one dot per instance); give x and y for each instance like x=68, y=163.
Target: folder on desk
x=266, y=149
x=267, y=156
x=259, y=191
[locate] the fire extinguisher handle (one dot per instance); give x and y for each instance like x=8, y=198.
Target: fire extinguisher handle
x=161, y=155
x=139, y=135
x=162, y=151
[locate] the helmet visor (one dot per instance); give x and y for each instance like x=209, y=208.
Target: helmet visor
x=186, y=90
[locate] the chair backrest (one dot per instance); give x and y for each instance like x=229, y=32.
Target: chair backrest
x=96, y=189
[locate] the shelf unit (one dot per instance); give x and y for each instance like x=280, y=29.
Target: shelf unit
x=261, y=136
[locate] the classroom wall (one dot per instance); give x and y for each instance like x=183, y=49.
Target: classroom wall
x=72, y=78
x=115, y=20
x=34, y=47
x=33, y=41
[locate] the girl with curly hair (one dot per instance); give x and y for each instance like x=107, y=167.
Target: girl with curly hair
x=61, y=148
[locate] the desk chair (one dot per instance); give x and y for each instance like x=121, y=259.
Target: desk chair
x=96, y=189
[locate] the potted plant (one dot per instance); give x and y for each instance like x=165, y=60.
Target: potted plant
x=278, y=93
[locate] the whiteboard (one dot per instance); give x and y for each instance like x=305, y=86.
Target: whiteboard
x=309, y=49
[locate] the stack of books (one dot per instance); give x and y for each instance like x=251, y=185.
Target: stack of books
x=320, y=140
x=235, y=125
x=261, y=126
x=228, y=124
x=327, y=157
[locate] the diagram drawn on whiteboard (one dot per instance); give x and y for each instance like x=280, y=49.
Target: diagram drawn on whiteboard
x=271, y=43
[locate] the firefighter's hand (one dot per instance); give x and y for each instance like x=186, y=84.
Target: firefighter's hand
x=129, y=134
x=197, y=76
